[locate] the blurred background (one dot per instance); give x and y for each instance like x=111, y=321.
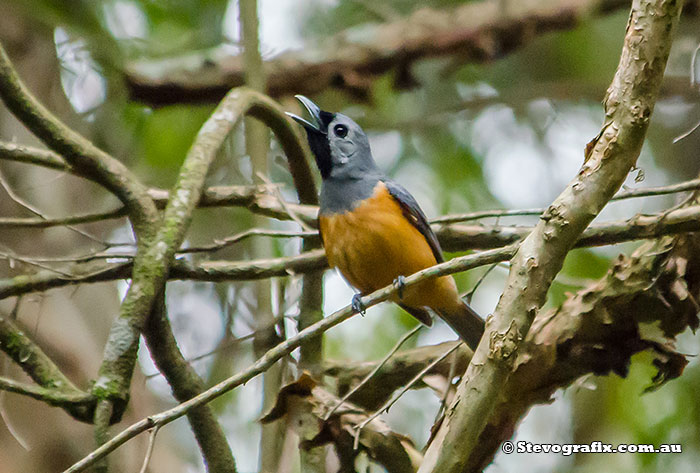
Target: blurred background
x=466, y=135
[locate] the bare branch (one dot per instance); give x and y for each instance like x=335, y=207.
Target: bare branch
x=82, y=155
x=86, y=160
x=181, y=269
x=264, y=199
x=27, y=206
x=475, y=32
x=597, y=331
x=691, y=185
x=681, y=220
x=185, y=384
x=228, y=241
x=38, y=156
x=149, y=450
x=373, y=391
x=452, y=237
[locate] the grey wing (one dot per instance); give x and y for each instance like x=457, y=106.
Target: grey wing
x=415, y=215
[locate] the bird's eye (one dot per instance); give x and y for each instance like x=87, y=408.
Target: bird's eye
x=341, y=131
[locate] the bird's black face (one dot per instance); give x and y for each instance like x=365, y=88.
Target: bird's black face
x=339, y=145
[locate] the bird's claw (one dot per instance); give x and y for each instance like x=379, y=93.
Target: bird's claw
x=357, y=304
x=400, y=284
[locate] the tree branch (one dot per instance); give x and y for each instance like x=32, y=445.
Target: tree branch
x=371, y=392
x=283, y=349
x=262, y=200
x=82, y=155
x=307, y=407
x=155, y=256
x=673, y=221
x=56, y=388
x=79, y=153
x=453, y=238
x=181, y=269
x=185, y=384
x=53, y=397
x=599, y=329
x=83, y=158
x=476, y=32
x=685, y=186
x=628, y=106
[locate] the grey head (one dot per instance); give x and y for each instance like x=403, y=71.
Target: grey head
x=339, y=145
x=342, y=155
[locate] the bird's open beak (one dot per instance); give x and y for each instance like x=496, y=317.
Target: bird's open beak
x=315, y=113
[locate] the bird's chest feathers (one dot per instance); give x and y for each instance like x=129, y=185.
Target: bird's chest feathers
x=374, y=243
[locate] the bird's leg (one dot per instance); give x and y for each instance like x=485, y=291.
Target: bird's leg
x=357, y=304
x=400, y=283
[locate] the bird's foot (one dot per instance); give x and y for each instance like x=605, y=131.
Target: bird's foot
x=400, y=284
x=357, y=304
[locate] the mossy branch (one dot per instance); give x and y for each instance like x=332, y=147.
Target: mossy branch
x=54, y=387
x=79, y=153
x=83, y=158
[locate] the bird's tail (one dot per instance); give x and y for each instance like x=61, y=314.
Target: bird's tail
x=466, y=322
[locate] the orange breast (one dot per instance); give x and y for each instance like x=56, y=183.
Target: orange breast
x=374, y=244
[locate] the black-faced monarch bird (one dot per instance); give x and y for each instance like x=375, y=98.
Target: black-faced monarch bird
x=373, y=230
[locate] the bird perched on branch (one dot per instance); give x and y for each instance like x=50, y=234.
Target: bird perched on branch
x=372, y=228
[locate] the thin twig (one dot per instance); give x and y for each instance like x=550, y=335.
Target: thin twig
x=149, y=450
x=692, y=66
x=228, y=241
x=468, y=296
x=685, y=186
x=85, y=258
x=5, y=418
x=37, y=156
x=283, y=203
x=11, y=257
x=227, y=344
x=46, y=222
x=387, y=405
x=464, y=217
x=26, y=205
x=448, y=385
x=693, y=84
x=376, y=369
